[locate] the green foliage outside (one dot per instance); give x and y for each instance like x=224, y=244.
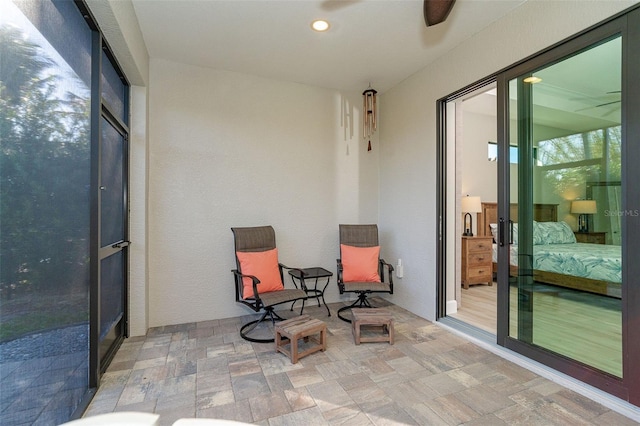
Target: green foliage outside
x=571, y=161
x=44, y=190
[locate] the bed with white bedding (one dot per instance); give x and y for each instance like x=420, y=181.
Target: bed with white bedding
x=559, y=260
x=573, y=264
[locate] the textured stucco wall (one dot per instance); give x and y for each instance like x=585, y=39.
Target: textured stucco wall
x=138, y=224
x=228, y=149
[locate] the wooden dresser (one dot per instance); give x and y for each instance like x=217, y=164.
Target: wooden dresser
x=477, y=265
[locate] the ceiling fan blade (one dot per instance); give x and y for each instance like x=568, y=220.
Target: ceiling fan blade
x=331, y=5
x=607, y=103
x=436, y=11
x=598, y=106
x=611, y=111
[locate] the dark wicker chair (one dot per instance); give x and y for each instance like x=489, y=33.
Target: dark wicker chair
x=362, y=236
x=260, y=239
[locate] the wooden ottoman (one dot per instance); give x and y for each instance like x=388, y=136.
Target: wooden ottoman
x=288, y=332
x=376, y=317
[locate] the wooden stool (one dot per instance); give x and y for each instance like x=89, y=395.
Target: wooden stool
x=291, y=330
x=376, y=317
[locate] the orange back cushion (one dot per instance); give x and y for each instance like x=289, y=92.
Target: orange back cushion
x=264, y=266
x=360, y=264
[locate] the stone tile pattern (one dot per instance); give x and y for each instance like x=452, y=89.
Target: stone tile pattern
x=428, y=377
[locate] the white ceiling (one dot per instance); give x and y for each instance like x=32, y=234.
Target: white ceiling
x=377, y=42
x=380, y=42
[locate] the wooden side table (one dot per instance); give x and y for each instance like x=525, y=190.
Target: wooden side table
x=288, y=332
x=591, y=237
x=477, y=263
x=376, y=317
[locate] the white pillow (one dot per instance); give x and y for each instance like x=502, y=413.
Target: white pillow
x=494, y=231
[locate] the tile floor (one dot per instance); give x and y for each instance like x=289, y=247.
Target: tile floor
x=428, y=377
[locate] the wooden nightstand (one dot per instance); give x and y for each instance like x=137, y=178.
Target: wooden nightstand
x=477, y=266
x=591, y=237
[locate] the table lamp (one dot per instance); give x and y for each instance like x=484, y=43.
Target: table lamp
x=583, y=208
x=470, y=205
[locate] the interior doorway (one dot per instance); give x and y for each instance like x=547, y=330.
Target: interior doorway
x=471, y=290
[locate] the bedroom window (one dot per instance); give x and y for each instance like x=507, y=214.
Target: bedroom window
x=492, y=150
x=567, y=163
x=585, y=148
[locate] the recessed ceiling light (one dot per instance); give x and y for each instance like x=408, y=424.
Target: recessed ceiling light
x=532, y=80
x=320, y=25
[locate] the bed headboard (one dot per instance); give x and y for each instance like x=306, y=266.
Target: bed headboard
x=489, y=214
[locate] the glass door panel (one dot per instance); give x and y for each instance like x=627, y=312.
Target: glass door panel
x=112, y=239
x=565, y=257
x=112, y=193
x=111, y=300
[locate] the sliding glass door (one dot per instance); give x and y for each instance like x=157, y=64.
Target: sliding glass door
x=566, y=280
x=566, y=225
x=566, y=209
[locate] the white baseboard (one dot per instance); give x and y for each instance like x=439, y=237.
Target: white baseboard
x=452, y=307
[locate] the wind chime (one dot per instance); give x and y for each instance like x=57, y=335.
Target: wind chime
x=370, y=108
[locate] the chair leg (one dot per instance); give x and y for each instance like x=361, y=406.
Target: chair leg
x=360, y=302
x=273, y=315
x=250, y=326
x=294, y=302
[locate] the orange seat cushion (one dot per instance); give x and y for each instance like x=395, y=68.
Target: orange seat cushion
x=264, y=266
x=360, y=264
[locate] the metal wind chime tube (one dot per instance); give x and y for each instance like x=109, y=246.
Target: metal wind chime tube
x=370, y=106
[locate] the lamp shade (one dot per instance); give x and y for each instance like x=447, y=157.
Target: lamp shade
x=584, y=207
x=471, y=204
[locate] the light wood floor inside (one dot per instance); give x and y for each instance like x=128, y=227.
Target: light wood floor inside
x=582, y=326
x=478, y=307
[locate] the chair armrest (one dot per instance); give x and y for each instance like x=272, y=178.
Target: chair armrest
x=283, y=266
x=388, y=265
x=390, y=270
x=339, y=279
x=302, y=273
x=240, y=285
x=340, y=269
